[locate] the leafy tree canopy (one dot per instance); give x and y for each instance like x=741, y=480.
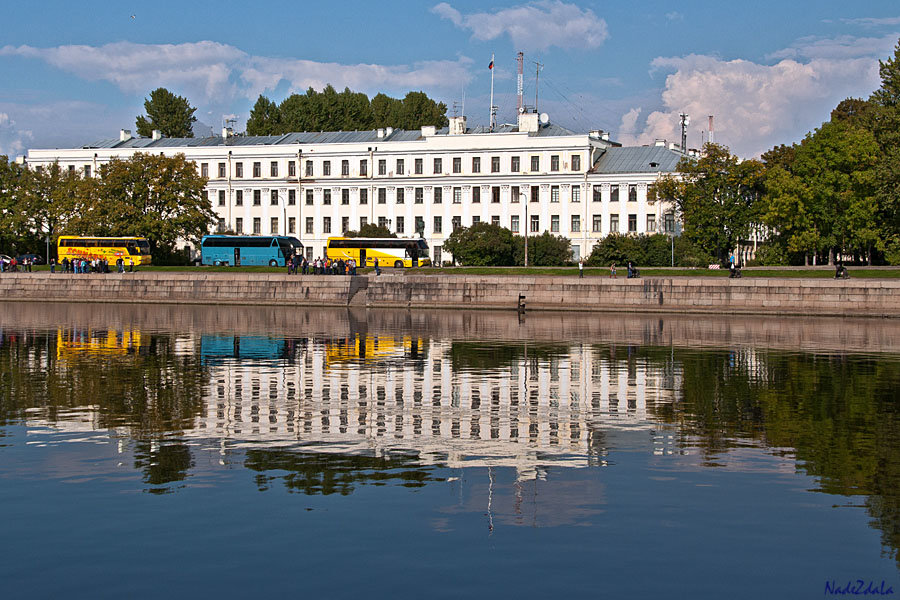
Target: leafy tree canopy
x=371, y=230
x=482, y=244
x=171, y=114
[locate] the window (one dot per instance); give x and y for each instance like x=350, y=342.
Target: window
x=326, y=197
x=326, y=224
x=669, y=222
x=204, y=170
x=438, y=195
x=383, y=222
x=345, y=224
x=382, y=167
x=309, y=197
x=239, y=226
x=598, y=224
x=614, y=224
x=476, y=164
x=457, y=165
x=292, y=197
x=221, y=170
x=221, y=197
x=363, y=221
x=613, y=193
x=419, y=195
x=257, y=226
x=326, y=168
x=554, y=193
x=514, y=164
x=309, y=224
x=495, y=164
x=257, y=169
x=220, y=225
x=476, y=219
x=418, y=166
x=535, y=163
x=420, y=225
x=257, y=197
x=535, y=193
x=554, y=162
x=632, y=193
x=363, y=168
x=239, y=198
x=576, y=224
x=515, y=194
x=400, y=166
x=456, y=223
x=495, y=194
x=438, y=168
x=632, y=223
x=651, y=223
x=309, y=168
x=554, y=223
x=401, y=196
x=514, y=223
x=363, y=196
x=535, y=223
x=576, y=193
x=292, y=169
x=345, y=196
x=273, y=226
x=576, y=162
x=292, y=224
x=87, y=171
x=457, y=195
x=400, y=225
x=382, y=195
x=476, y=193
x=598, y=193
x=495, y=220
x=437, y=224
x=345, y=168
x=239, y=169
x=273, y=169
x=274, y=197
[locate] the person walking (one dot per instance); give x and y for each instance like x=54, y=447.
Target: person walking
x=377, y=268
x=612, y=270
x=581, y=268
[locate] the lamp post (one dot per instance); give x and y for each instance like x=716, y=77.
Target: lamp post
x=525, y=225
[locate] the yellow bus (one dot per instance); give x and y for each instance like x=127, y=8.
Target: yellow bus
x=108, y=248
x=390, y=252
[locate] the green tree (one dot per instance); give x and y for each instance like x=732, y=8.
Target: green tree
x=48, y=198
x=545, y=250
x=12, y=218
x=885, y=125
x=616, y=248
x=158, y=197
x=418, y=109
x=171, y=114
x=716, y=198
x=482, y=244
x=386, y=111
x=265, y=118
x=372, y=230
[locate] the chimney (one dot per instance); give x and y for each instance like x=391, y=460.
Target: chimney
x=457, y=125
x=660, y=143
x=379, y=133
x=428, y=130
x=388, y=131
x=227, y=132
x=156, y=134
x=124, y=135
x=528, y=122
x=604, y=135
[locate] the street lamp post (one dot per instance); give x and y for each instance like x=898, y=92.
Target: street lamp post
x=525, y=225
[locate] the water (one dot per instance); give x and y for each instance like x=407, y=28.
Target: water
x=240, y=451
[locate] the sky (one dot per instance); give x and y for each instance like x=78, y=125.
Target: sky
x=768, y=71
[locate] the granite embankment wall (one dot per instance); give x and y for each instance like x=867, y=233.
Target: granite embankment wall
x=853, y=297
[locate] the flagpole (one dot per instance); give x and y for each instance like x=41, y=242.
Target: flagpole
x=491, y=120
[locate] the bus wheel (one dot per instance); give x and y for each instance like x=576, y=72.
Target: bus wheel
x=398, y=264
x=218, y=263
x=273, y=263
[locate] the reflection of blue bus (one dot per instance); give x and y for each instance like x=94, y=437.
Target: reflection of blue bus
x=214, y=348
x=237, y=250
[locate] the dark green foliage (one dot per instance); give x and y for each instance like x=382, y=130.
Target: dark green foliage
x=545, y=250
x=647, y=251
x=617, y=248
x=482, y=245
x=330, y=110
x=772, y=255
x=371, y=230
x=171, y=114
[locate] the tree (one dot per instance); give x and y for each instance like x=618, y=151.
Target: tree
x=158, y=197
x=371, y=230
x=11, y=215
x=616, y=248
x=885, y=125
x=716, y=198
x=265, y=118
x=171, y=114
x=482, y=244
x=545, y=250
x=47, y=200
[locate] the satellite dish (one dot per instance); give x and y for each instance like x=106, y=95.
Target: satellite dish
x=545, y=118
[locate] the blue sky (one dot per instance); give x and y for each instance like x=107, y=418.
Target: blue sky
x=768, y=71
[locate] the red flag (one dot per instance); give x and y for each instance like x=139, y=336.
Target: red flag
x=491, y=66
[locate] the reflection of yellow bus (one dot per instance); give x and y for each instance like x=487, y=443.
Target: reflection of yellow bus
x=372, y=348
x=390, y=252
x=107, y=248
x=71, y=343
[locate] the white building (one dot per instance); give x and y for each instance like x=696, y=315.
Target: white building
x=533, y=175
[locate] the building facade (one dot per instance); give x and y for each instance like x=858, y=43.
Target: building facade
x=530, y=177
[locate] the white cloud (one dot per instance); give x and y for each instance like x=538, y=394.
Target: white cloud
x=533, y=26
x=674, y=16
x=844, y=46
x=873, y=21
x=58, y=125
x=13, y=140
x=755, y=106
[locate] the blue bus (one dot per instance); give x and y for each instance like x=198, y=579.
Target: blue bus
x=248, y=250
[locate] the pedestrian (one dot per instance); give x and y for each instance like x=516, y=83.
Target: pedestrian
x=581, y=268
x=630, y=267
x=120, y=263
x=612, y=270
x=377, y=268
x=53, y=265
x=130, y=265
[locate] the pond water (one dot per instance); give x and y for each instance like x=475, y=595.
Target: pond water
x=173, y=451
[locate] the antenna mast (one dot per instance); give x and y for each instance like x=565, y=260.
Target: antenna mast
x=493, y=108
x=520, y=87
x=537, y=73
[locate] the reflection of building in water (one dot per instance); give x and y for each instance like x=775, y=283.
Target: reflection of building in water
x=383, y=394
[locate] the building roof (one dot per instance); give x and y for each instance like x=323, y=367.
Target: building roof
x=637, y=159
x=314, y=137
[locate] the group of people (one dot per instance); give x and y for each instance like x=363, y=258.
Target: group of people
x=322, y=266
x=95, y=265
x=12, y=265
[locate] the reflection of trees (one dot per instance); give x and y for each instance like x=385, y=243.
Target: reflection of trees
x=839, y=413
x=162, y=464
x=312, y=473
x=487, y=355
